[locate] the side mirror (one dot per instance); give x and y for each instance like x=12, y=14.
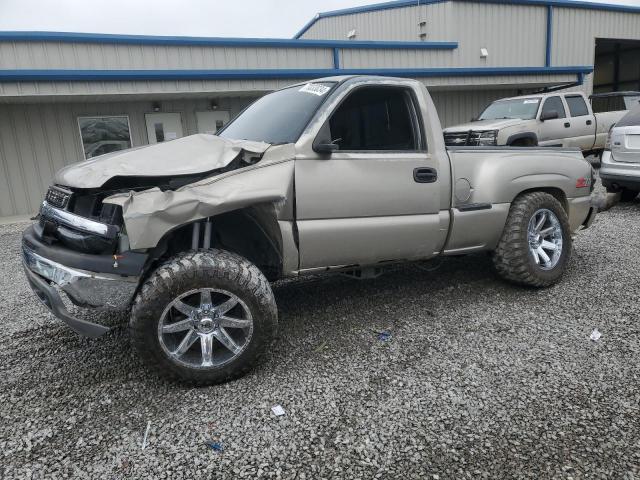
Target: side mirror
x=474, y=119
x=549, y=115
x=326, y=148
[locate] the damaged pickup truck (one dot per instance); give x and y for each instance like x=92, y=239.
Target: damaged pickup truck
x=338, y=174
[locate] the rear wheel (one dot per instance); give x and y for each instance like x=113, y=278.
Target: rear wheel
x=536, y=242
x=204, y=317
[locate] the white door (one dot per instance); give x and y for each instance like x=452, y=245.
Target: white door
x=553, y=132
x=583, y=126
x=210, y=122
x=162, y=127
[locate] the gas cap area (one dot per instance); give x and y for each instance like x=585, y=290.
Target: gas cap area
x=462, y=190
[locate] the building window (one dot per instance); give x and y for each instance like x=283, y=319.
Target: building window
x=104, y=134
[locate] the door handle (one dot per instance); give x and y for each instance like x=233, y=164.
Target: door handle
x=425, y=175
x=567, y=125
x=589, y=122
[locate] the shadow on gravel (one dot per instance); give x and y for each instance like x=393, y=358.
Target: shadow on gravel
x=309, y=309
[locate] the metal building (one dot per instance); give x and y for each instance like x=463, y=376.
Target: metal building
x=65, y=97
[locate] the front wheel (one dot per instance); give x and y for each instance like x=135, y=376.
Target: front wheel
x=204, y=317
x=535, y=246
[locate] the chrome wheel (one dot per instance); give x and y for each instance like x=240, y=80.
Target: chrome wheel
x=545, y=238
x=205, y=328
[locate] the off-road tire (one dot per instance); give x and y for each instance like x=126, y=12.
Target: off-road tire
x=627, y=195
x=512, y=258
x=203, y=269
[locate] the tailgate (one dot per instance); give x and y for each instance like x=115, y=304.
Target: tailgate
x=625, y=144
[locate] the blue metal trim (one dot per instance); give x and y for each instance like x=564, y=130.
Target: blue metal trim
x=218, y=42
x=336, y=58
x=547, y=61
x=411, y=3
x=114, y=75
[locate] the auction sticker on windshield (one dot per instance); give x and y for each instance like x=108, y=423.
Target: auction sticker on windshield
x=533, y=100
x=315, y=88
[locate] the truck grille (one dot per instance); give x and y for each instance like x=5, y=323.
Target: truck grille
x=462, y=139
x=58, y=197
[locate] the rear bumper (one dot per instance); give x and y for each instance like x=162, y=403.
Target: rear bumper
x=618, y=175
x=618, y=182
x=83, y=287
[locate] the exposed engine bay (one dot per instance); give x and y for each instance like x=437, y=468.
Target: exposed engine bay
x=80, y=219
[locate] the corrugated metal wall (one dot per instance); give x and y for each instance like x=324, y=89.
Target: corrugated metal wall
x=515, y=35
x=575, y=32
x=99, y=56
x=36, y=140
x=67, y=90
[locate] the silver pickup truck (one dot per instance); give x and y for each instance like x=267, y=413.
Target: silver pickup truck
x=555, y=119
x=338, y=174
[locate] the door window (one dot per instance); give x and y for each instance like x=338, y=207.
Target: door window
x=211, y=122
x=577, y=106
x=375, y=118
x=554, y=103
x=162, y=127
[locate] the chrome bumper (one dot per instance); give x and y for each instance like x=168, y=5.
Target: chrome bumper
x=86, y=289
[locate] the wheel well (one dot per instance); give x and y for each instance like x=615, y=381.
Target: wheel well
x=557, y=193
x=523, y=142
x=251, y=232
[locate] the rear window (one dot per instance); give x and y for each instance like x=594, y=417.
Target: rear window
x=577, y=105
x=631, y=119
x=608, y=104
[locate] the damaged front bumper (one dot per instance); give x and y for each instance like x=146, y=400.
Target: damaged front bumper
x=84, y=288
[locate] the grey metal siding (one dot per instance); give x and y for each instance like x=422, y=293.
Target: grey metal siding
x=68, y=90
x=575, y=33
x=515, y=35
x=36, y=140
x=102, y=56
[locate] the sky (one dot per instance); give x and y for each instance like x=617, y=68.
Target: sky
x=208, y=18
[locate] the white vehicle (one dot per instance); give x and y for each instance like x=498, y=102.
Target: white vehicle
x=545, y=119
x=620, y=171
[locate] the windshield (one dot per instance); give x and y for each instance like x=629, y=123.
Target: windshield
x=521, y=108
x=279, y=117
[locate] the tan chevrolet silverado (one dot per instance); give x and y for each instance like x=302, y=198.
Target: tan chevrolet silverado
x=545, y=119
x=338, y=174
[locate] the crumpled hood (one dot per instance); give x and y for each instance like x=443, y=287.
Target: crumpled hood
x=184, y=156
x=484, y=125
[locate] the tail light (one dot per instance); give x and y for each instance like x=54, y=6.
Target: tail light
x=583, y=182
x=607, y=145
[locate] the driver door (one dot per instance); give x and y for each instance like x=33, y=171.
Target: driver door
x=553, y=132
x=375, y=199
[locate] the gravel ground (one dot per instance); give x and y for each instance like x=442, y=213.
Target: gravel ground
x=479, y=379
